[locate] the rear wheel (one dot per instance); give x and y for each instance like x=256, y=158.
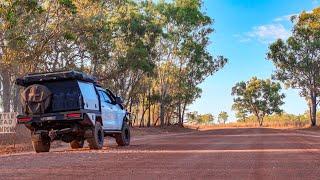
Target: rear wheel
x=40, y=143
x=123, y=138
x=97, y=139
x=76, y=144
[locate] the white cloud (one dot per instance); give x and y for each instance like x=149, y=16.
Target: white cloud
x=288, y=16
x=265, y=33
x=284, y=18
x=269, y=32
x=242, y=38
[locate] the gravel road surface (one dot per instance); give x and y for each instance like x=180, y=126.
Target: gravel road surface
x=245, y=153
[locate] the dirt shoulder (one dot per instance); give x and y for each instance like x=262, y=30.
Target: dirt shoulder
x=24, y=143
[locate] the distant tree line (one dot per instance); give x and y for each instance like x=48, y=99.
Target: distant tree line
x=196, y=118
x=153, y=54
x=277, y=120
x=207, y=119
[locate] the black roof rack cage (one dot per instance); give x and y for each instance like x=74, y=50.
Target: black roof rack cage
x=54, y=76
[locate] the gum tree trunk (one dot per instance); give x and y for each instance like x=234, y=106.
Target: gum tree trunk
x=313, y=109
x=162, y=113
x=6, y=90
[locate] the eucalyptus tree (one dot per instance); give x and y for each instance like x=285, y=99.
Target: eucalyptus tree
x=187, y=29
x=297, y=60
x=258, y=97
x=28, y=31
x=223, y=117
x=153, y=53
x=205, y=119
x=241, y=112
x=17, y=19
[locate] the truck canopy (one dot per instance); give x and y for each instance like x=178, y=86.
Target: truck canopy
x=69, y=90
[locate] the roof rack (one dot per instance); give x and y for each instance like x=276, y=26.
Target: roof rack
x=33, y=78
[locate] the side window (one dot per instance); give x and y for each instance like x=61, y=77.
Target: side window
x=111, y=96
x=104, y=97
x=108, y=97
x=101, y=96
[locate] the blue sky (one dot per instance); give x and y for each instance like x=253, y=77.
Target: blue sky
x=243, y=31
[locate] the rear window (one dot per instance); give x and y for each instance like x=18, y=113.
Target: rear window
x=66, y=95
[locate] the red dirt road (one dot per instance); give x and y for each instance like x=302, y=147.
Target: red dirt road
x=215, y=154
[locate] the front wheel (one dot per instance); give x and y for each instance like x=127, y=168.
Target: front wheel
x=123, y=138
x=97, y=139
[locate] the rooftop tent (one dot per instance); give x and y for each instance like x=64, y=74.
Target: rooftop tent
x=53, y=76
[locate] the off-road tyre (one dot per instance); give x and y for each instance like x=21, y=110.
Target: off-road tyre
x=97, y=139
x=123, y=138
x=40, y=143
x=77, y=144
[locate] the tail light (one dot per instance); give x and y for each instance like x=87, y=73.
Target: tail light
x=73, y=115
x=24, y=119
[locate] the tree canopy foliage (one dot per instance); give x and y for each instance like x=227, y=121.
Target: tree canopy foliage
x=153, y=54
x=223, y=117
x=200, y=119
x=258, y=97
x=297, y=60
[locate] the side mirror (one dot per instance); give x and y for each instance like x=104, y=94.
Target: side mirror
x=119, y=100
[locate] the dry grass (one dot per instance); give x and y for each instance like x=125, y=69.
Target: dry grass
x=136, y=131
x=267, y=124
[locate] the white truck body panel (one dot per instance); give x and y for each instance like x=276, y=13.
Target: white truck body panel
x=112, y=114
x=92, y=117
x=90, y=97
x=120, y=116
x=108, y=116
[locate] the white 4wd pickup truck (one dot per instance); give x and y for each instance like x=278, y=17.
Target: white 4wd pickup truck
x=70, y=106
